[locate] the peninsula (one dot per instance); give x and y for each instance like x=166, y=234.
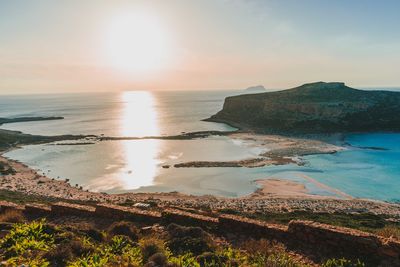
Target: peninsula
x=313, y=108
x=26, y=119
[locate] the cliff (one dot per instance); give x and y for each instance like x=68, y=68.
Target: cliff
x=314, y=108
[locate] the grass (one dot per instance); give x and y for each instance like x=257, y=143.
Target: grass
x=23, y=198
x=12, y=216
x=124, y=228
x=391, y=231
x=6, y=169
x=26, y=242
x=364, y=221
x=342, y=263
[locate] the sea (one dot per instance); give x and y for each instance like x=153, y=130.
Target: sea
x=361, y=170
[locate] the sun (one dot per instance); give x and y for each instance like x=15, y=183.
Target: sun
x=137, y=43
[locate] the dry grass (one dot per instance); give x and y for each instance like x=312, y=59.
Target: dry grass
x=389, y=231
x=124, y=228
x=263, y=246
x=12, y=216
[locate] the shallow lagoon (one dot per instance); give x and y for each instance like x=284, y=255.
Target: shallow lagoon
x=120, y=166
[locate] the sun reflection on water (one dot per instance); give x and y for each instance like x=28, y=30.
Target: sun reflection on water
x=139, y=116
x=139, y=119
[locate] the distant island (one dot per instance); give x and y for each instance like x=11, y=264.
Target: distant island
x=314, y=108
x=256, y=89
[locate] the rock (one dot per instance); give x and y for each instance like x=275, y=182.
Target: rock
x=141, y=205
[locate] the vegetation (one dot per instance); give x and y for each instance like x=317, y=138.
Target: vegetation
x=26, y=242
x=314, y=108
x=38, y=243
x=9, y=139
x=23, y=198
x=6, y=169
x=12, y=216
x=389, y=231
x=363, y=221
x=342, y=263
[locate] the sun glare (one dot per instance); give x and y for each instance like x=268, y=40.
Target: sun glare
x=137, y=43
x=139, y=116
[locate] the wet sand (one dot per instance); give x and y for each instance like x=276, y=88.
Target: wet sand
x=279, y=188
x=276, y=150
x=276, y=188
x=273, y=196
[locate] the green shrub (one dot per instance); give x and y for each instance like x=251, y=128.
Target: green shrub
x=188, y=240
x=185, y=260
x=151, y=246
x=281, y=260
x=389, y=231
x=94, y=260
x=95, y=234
x=60, y=255
x=124, y=228
x=212, y=259
x=66, y=250
x=27, y=261
x=342, y=263
x=158, y=259
x=23, y=237
x=118, y=245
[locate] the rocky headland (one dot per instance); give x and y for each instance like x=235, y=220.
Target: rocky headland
x=313, y=108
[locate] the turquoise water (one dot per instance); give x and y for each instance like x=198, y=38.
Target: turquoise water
x=122, y=166
x=364, y=173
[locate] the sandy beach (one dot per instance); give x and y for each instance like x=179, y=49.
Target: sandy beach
x=276, y=150
x=276, y=188
x=274, y=196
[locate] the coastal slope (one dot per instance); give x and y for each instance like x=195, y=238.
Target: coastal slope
x=314, y=108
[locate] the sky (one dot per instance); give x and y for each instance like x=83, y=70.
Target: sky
x=51, y=46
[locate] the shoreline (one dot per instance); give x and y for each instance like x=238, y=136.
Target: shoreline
x=28, y=181
x=273, y=150
x=278, y=150
x=289, y=197
x=281, y=188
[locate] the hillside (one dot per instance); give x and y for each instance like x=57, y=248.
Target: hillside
x=97, y=235
x=314, y=108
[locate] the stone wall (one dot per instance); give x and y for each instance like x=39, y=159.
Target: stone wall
x=343, y=241
x=325, y=240
x=62, y=208
x=5, y=205
x=127, y=213
x=188, y=218
x=252, y=228
x=37, y=210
